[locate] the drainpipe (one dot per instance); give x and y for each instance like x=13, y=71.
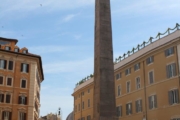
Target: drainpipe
x=145, y=92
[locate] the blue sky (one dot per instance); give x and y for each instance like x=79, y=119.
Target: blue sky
x=62, y=32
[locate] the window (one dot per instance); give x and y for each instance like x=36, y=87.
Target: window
x=76, y=108
x=88, y=117
x=1, y=97
x=3, y=64
x=150, y=60
x=128, y=108
x=83, y=105
x=138, y=83
x=83, y=118
x=128, y=86
x=1, y=80
x=23, y=83
x=79, y=107
x=16, y=50
x=24, y=67
x=22, y=116
x=10, y=65
x=88, y=90
x=169, y=51
x=24, y=51
x=82, y=93
x=128, y=71
x=23, y=100
x=151, y=77
x=118, y=76
x=119, y=111
x=139, y=106
x=88, y=102
x=137, y=66
x=119, y=90
x=152, y=102
x=9, y=81
x=171, y=70
x=7, y=48
x=6, y=115
x=173, y=97
x=8, y=98
x=175, y=119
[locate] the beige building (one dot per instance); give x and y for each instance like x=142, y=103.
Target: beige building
x=21, y=75
x=147, y=83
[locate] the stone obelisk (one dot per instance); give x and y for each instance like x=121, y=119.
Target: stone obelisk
x=104, y=92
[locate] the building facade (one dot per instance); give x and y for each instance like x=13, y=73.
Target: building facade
x=21, y=75
x=147, y=83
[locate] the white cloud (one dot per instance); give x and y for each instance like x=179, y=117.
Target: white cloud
x=69, y=17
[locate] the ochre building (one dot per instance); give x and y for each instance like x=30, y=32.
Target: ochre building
x=147, y=84
x=21, y=74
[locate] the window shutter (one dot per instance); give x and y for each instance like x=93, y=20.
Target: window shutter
x=10, y=67
x=10, y=115
x=170, y=97
x=126, y=109
x=21, y=67
x=117, y=111
x=136, y=105
x=5, y=62
x=2, y=97
x=167, y=71
x=131, y=108
x=172, y=50
x=155, y=101
x=27, y=68
x=177, y=95
x=3, y=115
x=24, y=116
x=174, y=69
x=139, y=65
x=20, y=100
x=165, y=52
x=147, y=61
x=120, y=110
x=141, y=105
x=149, y=98
x=8, y=97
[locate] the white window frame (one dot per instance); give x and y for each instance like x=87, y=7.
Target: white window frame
x=137, y=67
x=129, y=108
x=127, y=71
x=118, y=76
x=138, y=85
x=128, y=90
x=175, y=96
x=119, y=90
x=139, y=105
x=5, y=98
x=149, y=80
x=171, y=73
x=2, y=63
x=120, y=111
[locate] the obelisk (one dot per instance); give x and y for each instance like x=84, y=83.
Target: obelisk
x=104, y=92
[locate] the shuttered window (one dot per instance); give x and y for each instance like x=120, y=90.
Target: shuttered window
x=8, y=98
x=22, y=116
x=128, y=71
x=152, y=101
x=83, y=118
x=3, y=64
x=151, y=77
x=1, y=97
x=10, y=66
x=9, y=81
x=118, y=76
x=128, y=108
x=138, y=106
x=24, y=67
x=7, y=48
x=150, y=60
x=169, y=51
x=16, y=50
x=175, y=119
x=119, y=111
x=138, y=83
x=88, y=117
x=6, y=115
x=83, y=105
x=1, y=80
x=128, y=86
x=171, y=70
x=79, y=107
x=119, y=90
x=22, y=100
x=173, y=96
x=23, y=84
x=137, y=66
x=88, y=102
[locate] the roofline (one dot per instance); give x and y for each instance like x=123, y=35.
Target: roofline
x=36, y=56
x=9, y=39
